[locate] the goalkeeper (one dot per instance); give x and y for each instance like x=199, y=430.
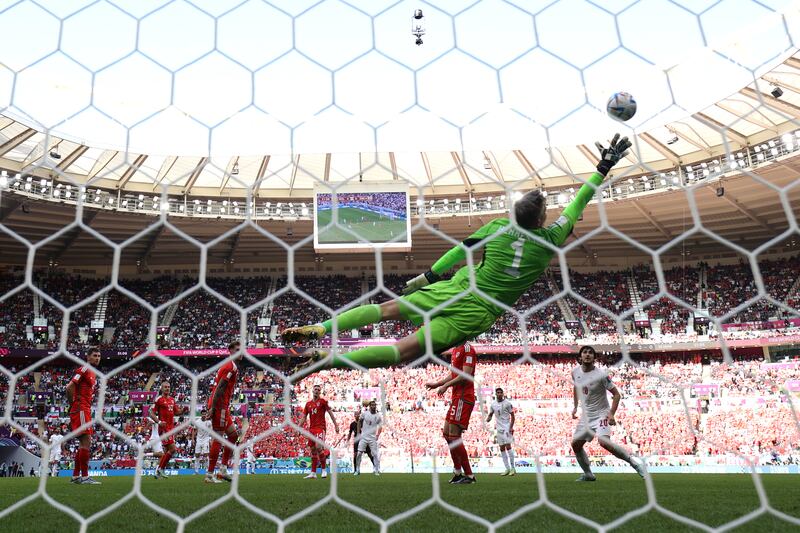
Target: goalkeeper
x=512, y=261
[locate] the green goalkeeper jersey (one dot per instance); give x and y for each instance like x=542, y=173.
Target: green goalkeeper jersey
x=513, y=261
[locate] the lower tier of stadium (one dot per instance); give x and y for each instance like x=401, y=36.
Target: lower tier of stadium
x=678, y=410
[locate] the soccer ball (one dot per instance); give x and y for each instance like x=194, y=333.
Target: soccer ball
x=621, y=106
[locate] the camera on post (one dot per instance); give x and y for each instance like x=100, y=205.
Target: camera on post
x=418, y=26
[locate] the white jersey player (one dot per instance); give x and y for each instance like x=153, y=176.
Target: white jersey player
x=55, y=452
x=591, y=386
x=202, y=442
x=155, y=442
x=503, y=413
x=250, y=458
x=370, y=424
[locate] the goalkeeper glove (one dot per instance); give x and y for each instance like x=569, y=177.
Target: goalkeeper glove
x=423, y=280
x=617, y=149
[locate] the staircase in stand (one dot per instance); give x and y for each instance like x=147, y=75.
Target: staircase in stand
x=703, y=283
x=37, y=306
x=566, y=312
x=102, y=307
x=633, y=291
x=169, y=314
x=151, y=381
x=266, y=309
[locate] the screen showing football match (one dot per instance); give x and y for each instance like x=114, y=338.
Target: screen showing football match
x=352, y=220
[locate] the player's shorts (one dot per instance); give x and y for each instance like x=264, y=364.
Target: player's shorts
x=459, y=412
x=221, y=420
x=456, y=321
x=166, y=441
x=588, y=428
x=202, y=447
x=355, y=448
x=370, y=445
x=78, y=418
x=319, y=434
x=504, y=437
x=155, y=445
x=54, y=458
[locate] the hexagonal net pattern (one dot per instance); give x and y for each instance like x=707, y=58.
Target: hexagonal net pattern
x=712, y=181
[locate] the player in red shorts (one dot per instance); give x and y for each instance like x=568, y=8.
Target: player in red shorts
x=315, y=410
x=219, y=411
x=163, y=415
x=80, y=394
x=463, y=358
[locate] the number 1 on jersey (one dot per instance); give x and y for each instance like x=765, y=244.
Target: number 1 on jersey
x=518, y=247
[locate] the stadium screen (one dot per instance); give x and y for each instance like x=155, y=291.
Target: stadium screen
x=362, y=218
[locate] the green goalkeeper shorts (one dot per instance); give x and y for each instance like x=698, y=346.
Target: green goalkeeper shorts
x=454, y=323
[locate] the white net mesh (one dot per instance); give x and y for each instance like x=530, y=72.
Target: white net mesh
x=149, y=246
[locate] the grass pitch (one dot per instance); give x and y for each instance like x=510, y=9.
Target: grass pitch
x=711, y=499
x=363, y=226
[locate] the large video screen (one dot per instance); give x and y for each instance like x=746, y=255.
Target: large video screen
x=362, y=218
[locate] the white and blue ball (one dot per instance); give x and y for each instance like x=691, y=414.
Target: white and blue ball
x=621, y=106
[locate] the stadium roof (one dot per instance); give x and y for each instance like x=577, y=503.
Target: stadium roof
x=748, y=117
x=749, y=215
x=698, y=95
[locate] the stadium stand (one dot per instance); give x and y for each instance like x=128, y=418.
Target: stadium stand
x=202, y=321
x=652, y=420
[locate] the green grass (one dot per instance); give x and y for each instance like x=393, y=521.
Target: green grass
x=711, y=499
x=384, y=229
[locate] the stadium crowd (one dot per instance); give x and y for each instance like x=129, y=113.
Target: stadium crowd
x=290, y=308
x=201, y=319
x=541, y=390
x=394, y=201
x=652, y=419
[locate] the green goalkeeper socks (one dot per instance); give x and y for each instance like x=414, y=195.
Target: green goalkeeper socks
x=355, y=318
x=369, y=357
x=372, y=356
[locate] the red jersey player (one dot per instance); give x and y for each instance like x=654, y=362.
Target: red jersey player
x=80, y=394
x=219, y=410
x=315, y=410
x=463, y=358
x=163, y=414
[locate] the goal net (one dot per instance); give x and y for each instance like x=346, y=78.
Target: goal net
x=160, y=164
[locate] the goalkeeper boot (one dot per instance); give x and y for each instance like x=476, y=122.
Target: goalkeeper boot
x=512, y=472
x=89, y=481
x=466, y=480
x=587, y=477
x=506, y=473
x=456, y=478
x=211, y=479
x=302, y=334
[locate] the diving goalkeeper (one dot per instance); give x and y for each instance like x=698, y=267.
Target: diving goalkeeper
x=512, y=261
